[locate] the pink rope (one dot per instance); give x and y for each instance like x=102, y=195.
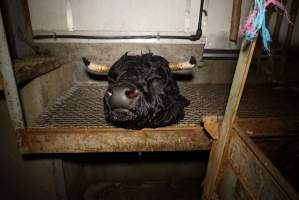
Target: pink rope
x=255, y=22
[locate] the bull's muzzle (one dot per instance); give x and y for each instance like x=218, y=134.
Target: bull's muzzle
x=121, y=100
x=122, y=96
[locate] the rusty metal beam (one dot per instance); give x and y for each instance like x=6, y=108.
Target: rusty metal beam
x=256, y=127
x=236, y=91
x=81, y=140
x=9, y=81
x=269, y=127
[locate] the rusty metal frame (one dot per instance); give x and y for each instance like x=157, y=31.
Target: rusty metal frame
x=281, y=184
x=9, y=81
x=245, y=172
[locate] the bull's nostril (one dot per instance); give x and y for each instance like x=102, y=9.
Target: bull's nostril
x=132, y=93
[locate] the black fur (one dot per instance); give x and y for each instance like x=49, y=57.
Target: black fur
x=160, y=104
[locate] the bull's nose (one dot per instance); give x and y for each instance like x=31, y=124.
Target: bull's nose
x=122, y=96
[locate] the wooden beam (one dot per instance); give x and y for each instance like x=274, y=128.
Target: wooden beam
x=293, y=16
x=236, y=91
x=278, y=23
x=212, y=125
x=82, y=140
x=288, y=39
x=235, y=20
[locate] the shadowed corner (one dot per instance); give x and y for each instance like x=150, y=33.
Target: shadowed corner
x=193, y=60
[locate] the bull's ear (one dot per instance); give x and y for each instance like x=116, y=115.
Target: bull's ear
x=97, y=69
x=183, y=65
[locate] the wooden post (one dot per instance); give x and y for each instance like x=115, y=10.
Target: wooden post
x=235, y=20
x=236, y=91
x=293, y=15
x=277, y=26
x=288, y=39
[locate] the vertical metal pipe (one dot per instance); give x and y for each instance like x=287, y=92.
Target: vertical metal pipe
x=10, y=87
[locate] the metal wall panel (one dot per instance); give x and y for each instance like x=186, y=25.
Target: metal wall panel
x=127, y=16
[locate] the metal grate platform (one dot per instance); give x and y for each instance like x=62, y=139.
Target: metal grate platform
x=82, y=105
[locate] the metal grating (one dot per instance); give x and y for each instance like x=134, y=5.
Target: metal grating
x=82, y=105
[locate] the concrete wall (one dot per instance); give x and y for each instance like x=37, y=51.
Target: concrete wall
x=43, y=91
x=22, y=178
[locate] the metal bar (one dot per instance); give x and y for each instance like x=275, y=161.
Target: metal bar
x=10, y=87
x=257, y=127
x=229, y=116
x=84, y=140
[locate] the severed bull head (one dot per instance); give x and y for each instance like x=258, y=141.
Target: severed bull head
x=141, y=91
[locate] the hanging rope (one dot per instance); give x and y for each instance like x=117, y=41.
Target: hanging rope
x=256, y=21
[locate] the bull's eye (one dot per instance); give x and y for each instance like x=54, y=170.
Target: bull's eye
x=132, y=93
x=156, y=82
